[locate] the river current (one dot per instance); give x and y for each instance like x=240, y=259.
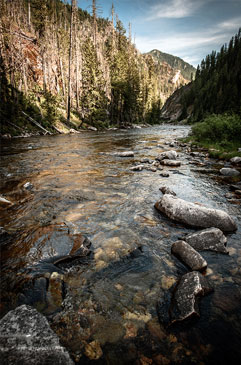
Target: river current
x=110, y=301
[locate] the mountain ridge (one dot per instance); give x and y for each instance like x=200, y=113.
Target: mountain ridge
x=188, y=71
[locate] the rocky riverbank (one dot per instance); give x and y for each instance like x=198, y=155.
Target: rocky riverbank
x=126, y=288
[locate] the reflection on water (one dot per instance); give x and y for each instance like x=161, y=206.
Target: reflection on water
x=110, y=300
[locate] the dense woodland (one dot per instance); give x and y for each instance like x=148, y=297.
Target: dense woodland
x=217, y=87
x=59, y=63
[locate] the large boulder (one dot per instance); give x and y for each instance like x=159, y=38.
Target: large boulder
x=227, y=171
x=194, y=214
x=211, y=239
x=189, y=256
x=191, y=286
x=27, y=339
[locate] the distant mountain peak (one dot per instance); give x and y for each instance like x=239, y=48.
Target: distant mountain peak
x=187, y=70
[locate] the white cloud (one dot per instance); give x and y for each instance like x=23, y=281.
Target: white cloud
x=194, y=46
x=175, y=9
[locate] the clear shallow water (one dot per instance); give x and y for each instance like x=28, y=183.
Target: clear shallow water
x=112, y=299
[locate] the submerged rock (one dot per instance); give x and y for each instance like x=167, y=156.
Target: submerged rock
x=174, y=163
x=191, y=286
x=171, y=155
x=194, y=214
x=211, y=239
x=189, y=256
x=27, y=339
x=167, y=190
x=227, y=171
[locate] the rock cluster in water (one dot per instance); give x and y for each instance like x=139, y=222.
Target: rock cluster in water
x=192, y=285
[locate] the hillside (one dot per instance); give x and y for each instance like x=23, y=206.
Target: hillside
x=216, y=88
x=63, y=67
x=187, y=70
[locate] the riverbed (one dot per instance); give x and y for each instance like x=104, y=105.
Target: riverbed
x=107, y=313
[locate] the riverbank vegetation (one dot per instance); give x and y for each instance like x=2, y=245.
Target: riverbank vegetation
x=220, y=134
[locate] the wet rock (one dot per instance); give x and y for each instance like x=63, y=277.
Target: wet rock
x=137, y=168
x=93, y=350
x=125, y=154
x=167, y=190
x=28, y=186
x=191, y=286
x=194, y=214
x=211, y=239
x=26, y=338
x=171, y=163
x=146, y=160
x=227, y=171
x=189, y=256
x=236, y=160
x=164, y=174
x=4, y=201
x=238, y=192
x=55, y=244
x=151, y=168
x=171, y=155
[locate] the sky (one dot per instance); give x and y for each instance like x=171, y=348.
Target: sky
x=190, y=29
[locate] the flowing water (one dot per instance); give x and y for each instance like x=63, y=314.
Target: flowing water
x=107, y=312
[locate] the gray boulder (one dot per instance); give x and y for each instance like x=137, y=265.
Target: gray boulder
x=191, y=286
x=227, y=171
x=236, y=160
x=171, y=155
x=189, y=255
x=211, y=239
x=27, y=339
x=174, y=163
x=194, y=214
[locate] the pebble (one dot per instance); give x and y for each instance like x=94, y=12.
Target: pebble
x=165, y=174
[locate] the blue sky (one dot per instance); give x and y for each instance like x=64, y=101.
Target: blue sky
x=190, y=29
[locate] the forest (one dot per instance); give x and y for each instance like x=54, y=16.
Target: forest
x=217, y=86
x=59, y=64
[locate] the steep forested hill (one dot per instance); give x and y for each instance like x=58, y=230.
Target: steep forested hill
x=216, y=88
x=59, y=64
x=187, y=70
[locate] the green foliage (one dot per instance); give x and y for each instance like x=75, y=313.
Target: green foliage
x=218, y=128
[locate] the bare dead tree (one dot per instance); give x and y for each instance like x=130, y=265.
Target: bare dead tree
x=73, y=6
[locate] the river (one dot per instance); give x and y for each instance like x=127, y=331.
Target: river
x=110, y=299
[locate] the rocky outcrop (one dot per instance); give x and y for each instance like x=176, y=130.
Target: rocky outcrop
x=194, y=214
x=27, y=339
x=191, y=286
x=211, y=239
x=189, y=256
x=173, y=109
x=227, y=171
